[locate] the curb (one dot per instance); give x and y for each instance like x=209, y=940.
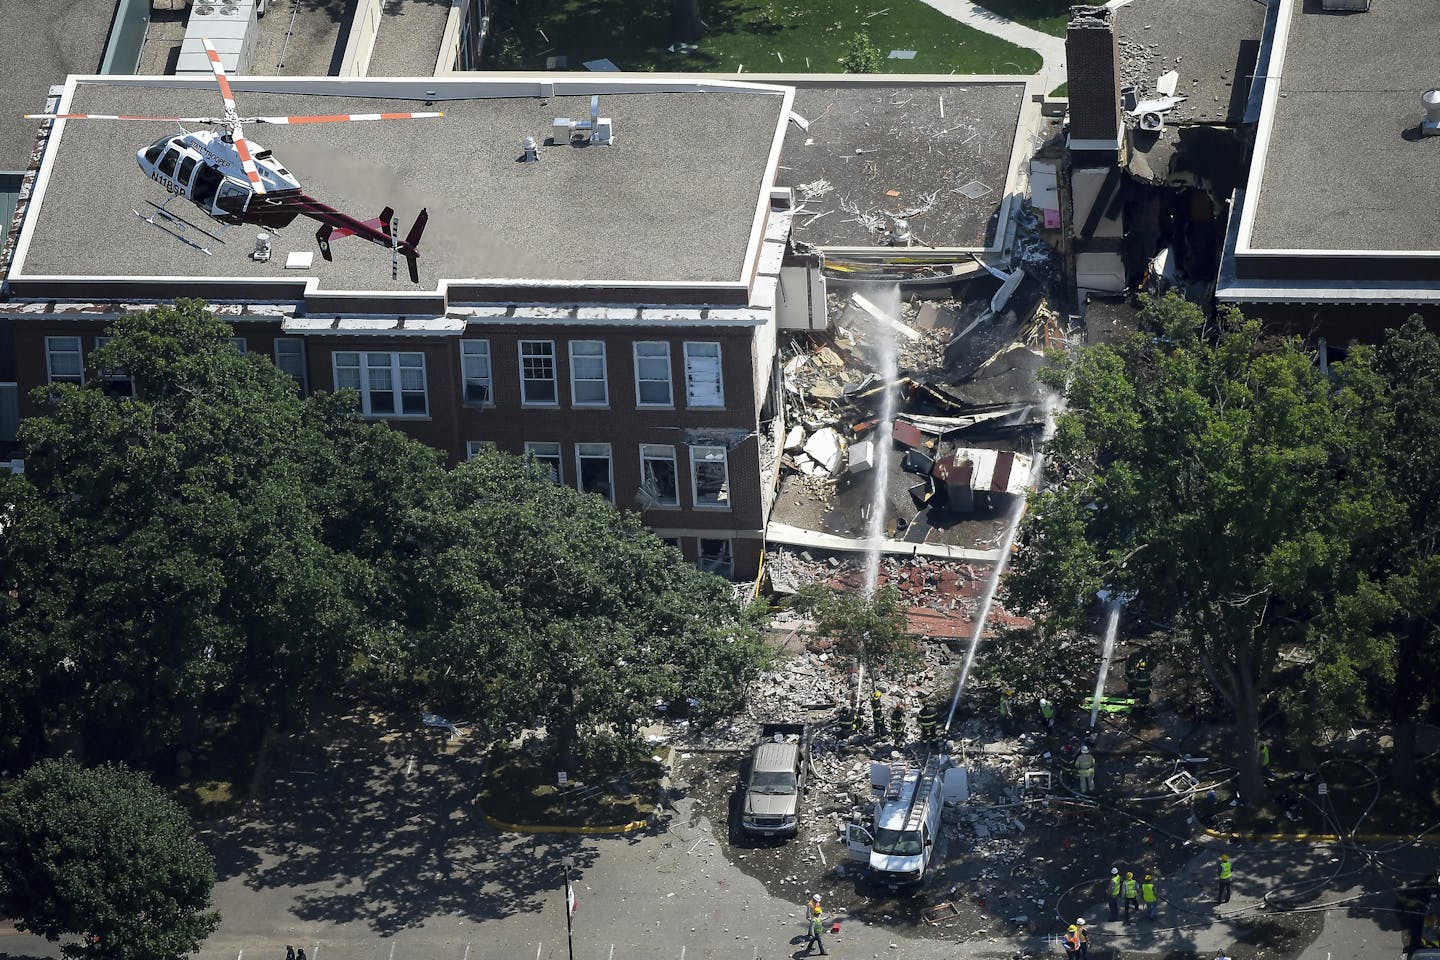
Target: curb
x=561, y=828
x=1321, y=837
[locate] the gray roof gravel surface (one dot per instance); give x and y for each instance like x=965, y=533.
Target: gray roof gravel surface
x=1346, y=168
x=1211, y=44
x=41, y=42
x=673, y=200
x=409, y=39
x=915, y=139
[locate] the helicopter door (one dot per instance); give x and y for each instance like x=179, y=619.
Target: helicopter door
x=165, y=169
x=231, y=198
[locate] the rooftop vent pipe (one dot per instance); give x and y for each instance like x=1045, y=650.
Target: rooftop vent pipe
x=1430, y=126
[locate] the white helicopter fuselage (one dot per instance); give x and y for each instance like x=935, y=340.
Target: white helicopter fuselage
x=204, y=168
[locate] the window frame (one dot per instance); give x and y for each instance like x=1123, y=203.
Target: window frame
x=50, y=351
x=695, y=477
x=719, y=374
x=576, y=380
x=473, y=447
x=645, y=457
x=397, y=390
x=525, y=400
x=669, y=403
x=558, y=458
x=302, y=381
x=110, y=381
x=581, y=456
x=465, y=378
x=727, y=555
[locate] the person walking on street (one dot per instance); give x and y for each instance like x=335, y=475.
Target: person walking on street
x=1147, y=893
x=1007, y=713
x=1132, y=895
x=1114, y=894
x=1047, y=714
x=289, y=952
x=817, y=923
x=1085, y=770
x=1223, y=895
x=1084, y=939
x=300, y=954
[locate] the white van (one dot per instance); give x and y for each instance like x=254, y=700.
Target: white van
x=898, y=845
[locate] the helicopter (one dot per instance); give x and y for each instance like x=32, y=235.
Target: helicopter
x=237, y=181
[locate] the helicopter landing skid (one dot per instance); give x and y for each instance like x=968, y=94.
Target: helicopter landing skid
x=181, y=228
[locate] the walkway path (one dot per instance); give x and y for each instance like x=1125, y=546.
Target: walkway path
x=1051, y=49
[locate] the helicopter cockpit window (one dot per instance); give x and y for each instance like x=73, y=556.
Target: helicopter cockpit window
x=152, y=152
x=167, y=162
x=187, y=167
x=207, y=181
x=232, y=198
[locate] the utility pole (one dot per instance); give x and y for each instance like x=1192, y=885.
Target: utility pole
x=567, y=863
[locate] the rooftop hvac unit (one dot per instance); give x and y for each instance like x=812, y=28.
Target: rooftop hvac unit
x=231, y=28
x=1358, y=5
x=1152, y=121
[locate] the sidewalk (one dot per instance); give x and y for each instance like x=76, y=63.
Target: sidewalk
x=1051, y=49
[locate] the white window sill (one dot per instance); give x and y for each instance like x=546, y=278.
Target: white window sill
x=712, y=506
x=534, y=405
x=654, y=406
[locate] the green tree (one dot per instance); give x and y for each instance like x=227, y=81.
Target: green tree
x=104, y=856
x=1215, y=481
x=195, y=542
x=861, y=56
x=533, y=604
x=872, y=631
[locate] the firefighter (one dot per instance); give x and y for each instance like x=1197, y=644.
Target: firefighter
x=897, y=721
x=877, y=714
x=1085, y=770
x=1140, y=683
x=929, y=720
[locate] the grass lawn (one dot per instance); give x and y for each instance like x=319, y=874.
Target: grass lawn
x=521, y=789
x=216, y=779
x=1061, y=91
x=763, y=36
x=1047, y=16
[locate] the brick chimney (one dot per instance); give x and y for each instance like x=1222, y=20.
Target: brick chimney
x=1092, y=55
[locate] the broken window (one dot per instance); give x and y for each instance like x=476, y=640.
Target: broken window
x=702, y=375
x=652, y=374
x=717, y=556
x=659, y=479
x=62, y=360
x=592, y=461
x=710, y=472
x=475, y=368
x=537, y=372
x=547, y=455
x=588, y=387
x=118, y=382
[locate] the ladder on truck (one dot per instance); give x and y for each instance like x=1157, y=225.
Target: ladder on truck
x=896, y=783
x=928, y=775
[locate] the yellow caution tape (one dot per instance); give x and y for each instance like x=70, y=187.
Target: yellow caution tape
x=562, y=828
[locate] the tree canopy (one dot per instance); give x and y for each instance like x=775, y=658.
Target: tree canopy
x=871, y=630
x=104, y=856
x=217, y=542
x=1227, y=483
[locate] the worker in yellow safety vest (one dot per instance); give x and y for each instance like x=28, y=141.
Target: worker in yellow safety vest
x=1007, y=713
x=1085, y=770
x=1147, y=893
x=1225, y=873
x=1132, y=896
x=1114, y=894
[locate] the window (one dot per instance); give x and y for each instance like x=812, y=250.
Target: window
x=659, y=480
x=9, y=412
x=238, y=343
x=592, y=461
x=475, y=368
x=710, y=474
x=587, y=374
x=167, y=162
x=702, y=375
x=537, y=372
x=472, y=447
x=547, y=455
x=390, y=384
x=652, y=374
x=187, y=167
x=290, y=357
x=671, y=542
x=716, y=556
x=118, y=382
x=62, y=360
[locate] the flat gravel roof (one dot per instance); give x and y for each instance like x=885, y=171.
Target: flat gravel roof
x=1345, y=168
x=41, y=43
x=914, y=140
x=673, y=200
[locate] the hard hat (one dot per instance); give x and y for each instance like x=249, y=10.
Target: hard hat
x=1148, y=877
x=815, y=897
x=1084, y=749
x=1224, y=856
x=1114, y=871
x=876, y=694
x=1072, y=928
x=1009, y=692
x=1129, y=875
x=1079, y=921
x=1043, y=700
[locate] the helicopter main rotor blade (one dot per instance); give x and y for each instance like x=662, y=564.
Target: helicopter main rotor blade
x=343, y=117
x=114, y=116
x=247, y=162
x=219, y=69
